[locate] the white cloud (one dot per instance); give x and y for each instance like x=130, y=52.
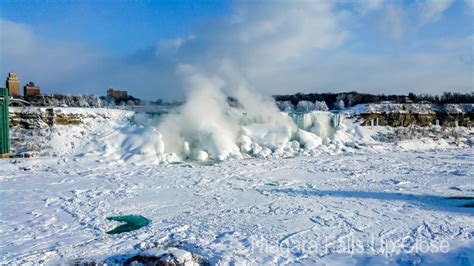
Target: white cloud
x=394, y=22
x=37, y=59
x=432, y=10
x=282, y=47
x=369, y=5
x=273, y=33
x=470, y=4
x=413, y=72
x=59, y=67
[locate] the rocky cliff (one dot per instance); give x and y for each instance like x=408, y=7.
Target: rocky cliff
x=398, y=115
x=34, y=130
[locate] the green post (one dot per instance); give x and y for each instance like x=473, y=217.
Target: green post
x=4, y=128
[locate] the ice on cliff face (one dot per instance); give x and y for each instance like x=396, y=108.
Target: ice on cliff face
x=201, y=139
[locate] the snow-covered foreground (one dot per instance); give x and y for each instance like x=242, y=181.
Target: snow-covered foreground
x=348, y=209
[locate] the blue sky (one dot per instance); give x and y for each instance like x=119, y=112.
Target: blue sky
x=376, y=46
x=103, y=24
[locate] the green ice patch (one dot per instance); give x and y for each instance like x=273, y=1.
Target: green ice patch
x=131, y=222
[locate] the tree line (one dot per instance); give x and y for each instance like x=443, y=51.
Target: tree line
x=349, y=99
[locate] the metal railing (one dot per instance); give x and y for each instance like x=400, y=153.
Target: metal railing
x=4, y=126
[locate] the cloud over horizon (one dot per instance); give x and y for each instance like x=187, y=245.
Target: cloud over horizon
x=369, y=46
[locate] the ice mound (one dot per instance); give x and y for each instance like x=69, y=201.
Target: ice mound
x=132, y=144
x=309, y=140
x=203, y=140
x=207, y=127
x=154, y=256
x=267, y=135
x=141, y=143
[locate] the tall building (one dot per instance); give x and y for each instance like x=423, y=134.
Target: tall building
x=13, y=85
x=31, y=90
x=120, y=95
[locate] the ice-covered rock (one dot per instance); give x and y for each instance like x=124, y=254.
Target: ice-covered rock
x=309, y=140
x=268, y=135
x=169, y=256
x=202, y=156
x=245, y=143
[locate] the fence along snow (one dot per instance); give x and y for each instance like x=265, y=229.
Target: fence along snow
x=4, y=128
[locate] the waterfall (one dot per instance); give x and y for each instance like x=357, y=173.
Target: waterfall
x=321, y=123
x=336, y=120
x=302, y=120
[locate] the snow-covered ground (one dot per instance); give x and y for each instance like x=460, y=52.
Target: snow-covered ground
x=330, y=209
x=238, y=188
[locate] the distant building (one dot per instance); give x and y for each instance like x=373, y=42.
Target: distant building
x=13, y=85
x=121, y=95
x=31, y=90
